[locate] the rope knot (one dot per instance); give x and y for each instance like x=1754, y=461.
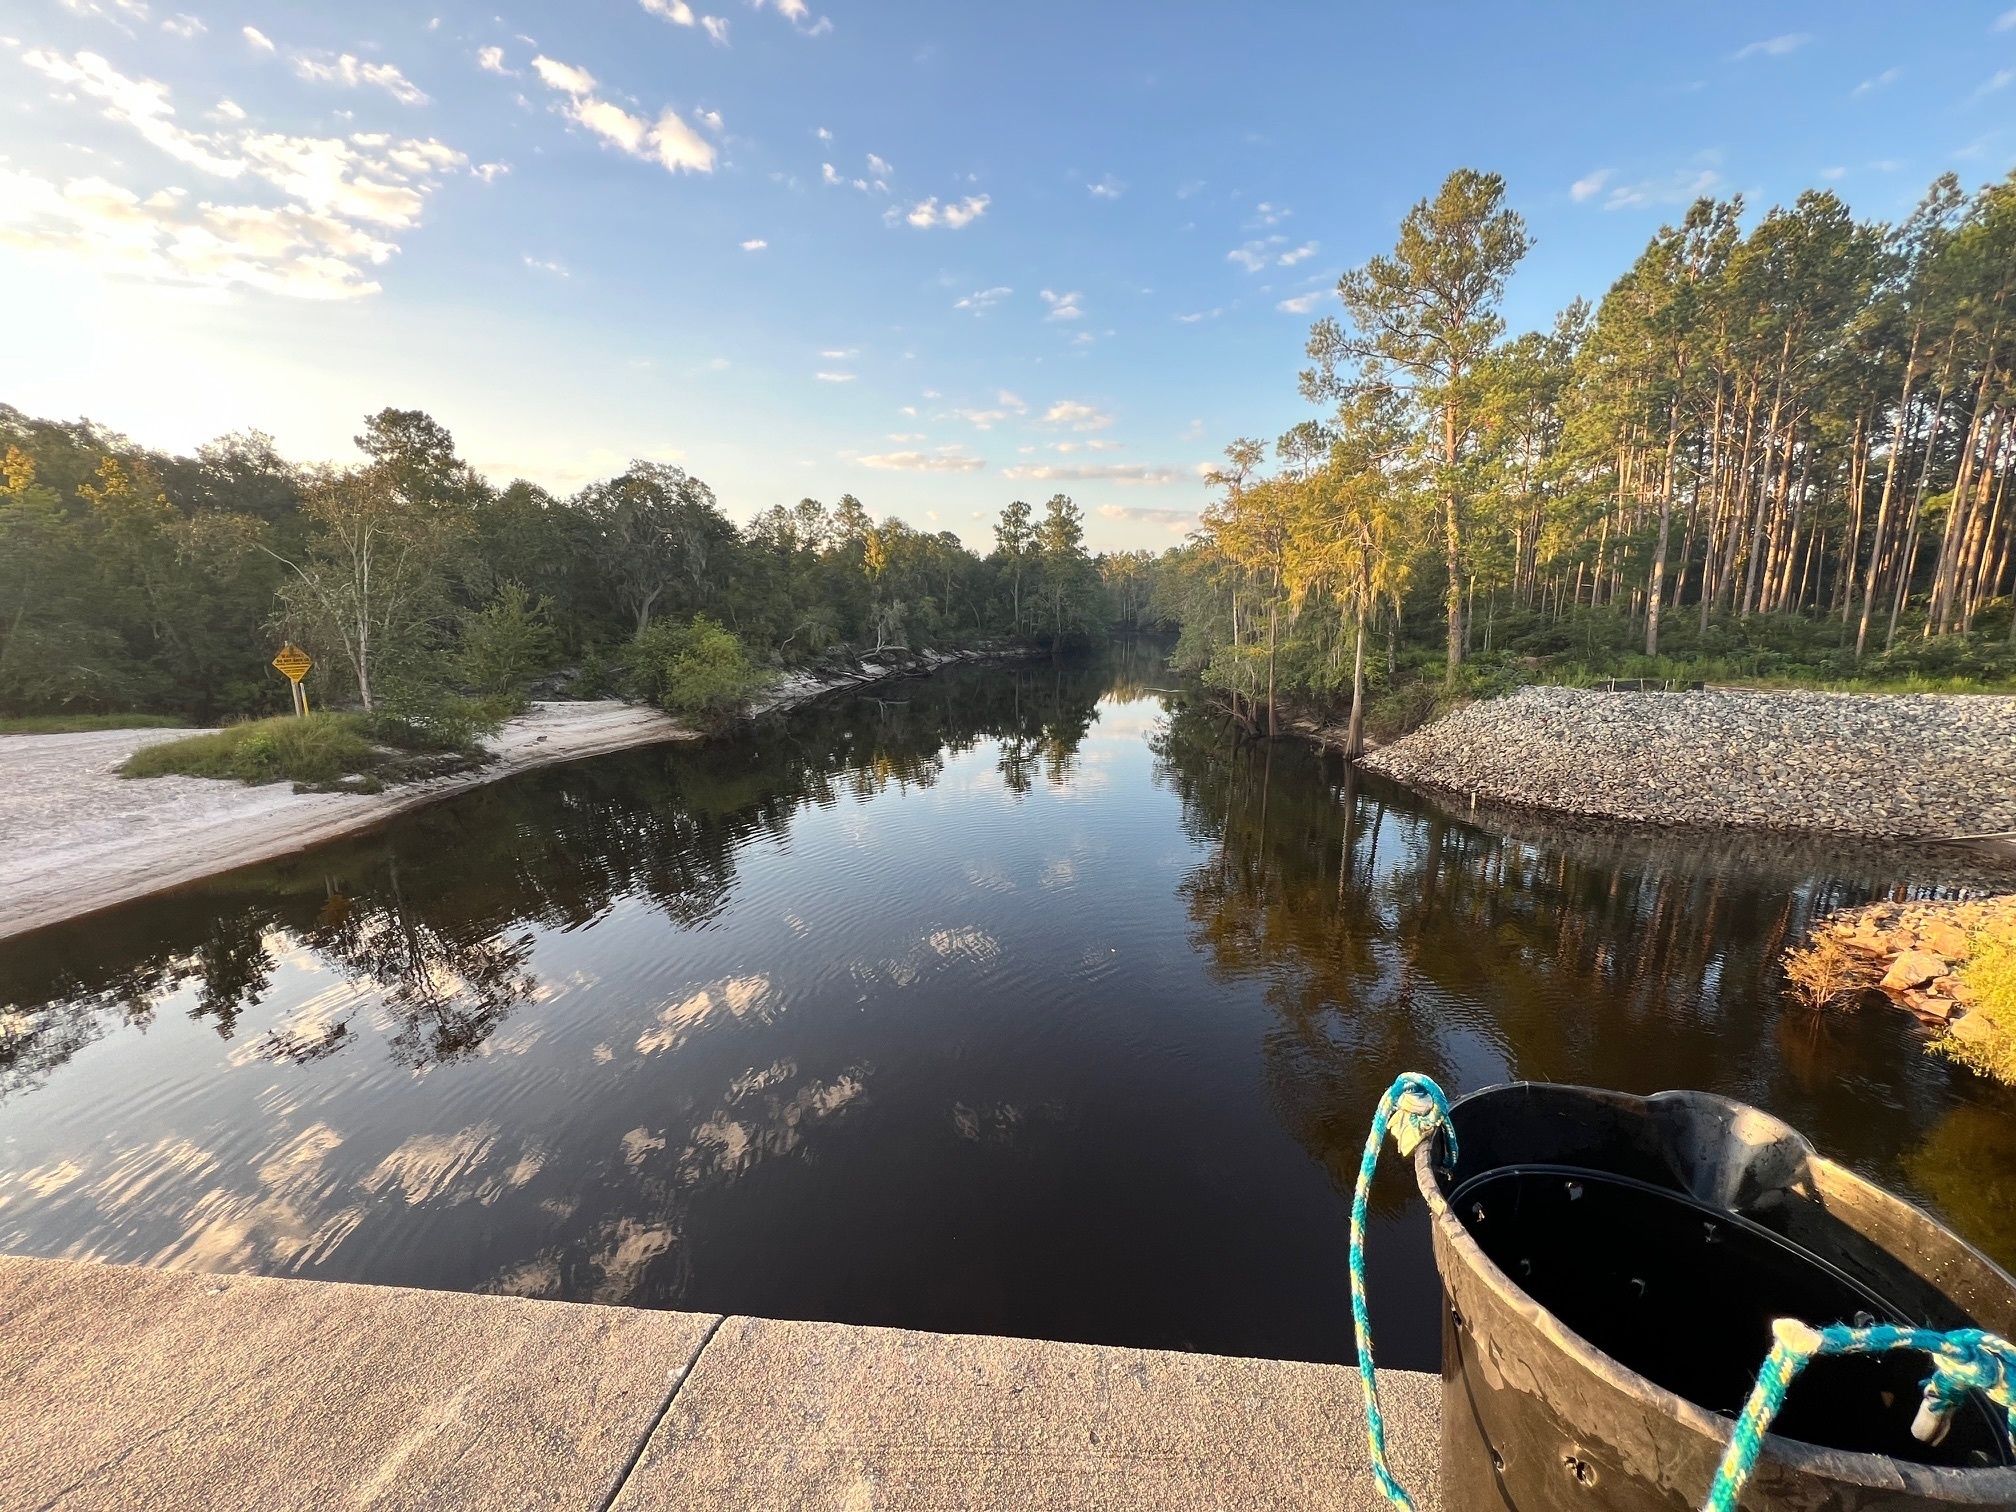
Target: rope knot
x=1418, y=1110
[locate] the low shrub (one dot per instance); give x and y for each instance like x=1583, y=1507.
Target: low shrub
x=699, y=669
x=1985, y=1040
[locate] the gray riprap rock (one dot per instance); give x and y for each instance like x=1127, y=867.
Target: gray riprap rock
x=1918, y=766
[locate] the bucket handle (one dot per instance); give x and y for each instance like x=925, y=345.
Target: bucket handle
x=1962, y=1361
x=1412, y=1109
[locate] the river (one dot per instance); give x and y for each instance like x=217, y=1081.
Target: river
x=1015, y=1000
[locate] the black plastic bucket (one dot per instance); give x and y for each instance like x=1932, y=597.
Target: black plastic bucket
x=1612, y=1265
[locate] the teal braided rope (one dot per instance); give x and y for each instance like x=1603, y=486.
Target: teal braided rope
x=1412, y=1109
x=1962, y=1361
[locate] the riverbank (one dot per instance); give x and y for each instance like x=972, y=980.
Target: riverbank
x=126, y=1387
x=81, y=838
x=1894, y=767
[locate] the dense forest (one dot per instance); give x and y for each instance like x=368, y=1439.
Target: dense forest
x=1781, y=450
x=130, y=580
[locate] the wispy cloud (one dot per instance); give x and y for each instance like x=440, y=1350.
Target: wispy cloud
x=1255, y=255
x=798, y=14
x=1302, y=304
x=716, y=28
x=1007, y=405
x=1299, y=254
x=1178, y=521
x=547, y=265
x=928, y=213
x=184, y=27
x=678, y=12
x=1774, y=47
x=1199, y=315
x=916, y=461
x=2000, y=80
x=1063, y=306
x=1590, y=184
x=834, y=377
x=1883, y=80
x=1681, y=187
x=1076, y=416
x=1107, y=188
x=754, y=244
x=1133, y=473
x=350, y=73
x=341, y=198
x=668, y=140
x=491, y=60
x=258, y=39
x=2005, y=22
x=982, y=299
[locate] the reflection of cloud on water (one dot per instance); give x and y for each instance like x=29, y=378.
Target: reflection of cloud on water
x=974, y=946
x=989, y=876
x=998, y=1123
x=432, y=1165
x=639, y=1143
x=632, y=1246
x=1060, y=871
x=738, y=997
x=727, y=1144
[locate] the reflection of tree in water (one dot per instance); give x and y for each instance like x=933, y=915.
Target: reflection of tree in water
x=432, y=911
x=1416, y=941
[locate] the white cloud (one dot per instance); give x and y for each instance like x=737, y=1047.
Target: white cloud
x=544, y=265
x=2005, y=22
x=184, y=27
x=2000, y=80
x=1590, y=185
x=350, y=73
x=258, y=39
x=489, y=173
x=1774, y=47
x=1063, y=306
x=668, y=141
x=1301, y=304
x=879, y=167
x=491, y=59
x=1299, y=254
x=834, y=377
x=982, y=299
x=822, y=133
x=1108, y=188
x=1883, y=80
x=754, y=244
x=1079, y=417
x=1196, y=315
x=132, y=8
x=1681, y=187
x=716, y=27
x=1179, y=521
x=1106, y=472
x=678, y=12
x=928, y=212
x=797, y=13
x=1255, y=255
x=914, y=461
x=229, y=110
x=313, y=245
x=1265, y=214
x=1010, y=405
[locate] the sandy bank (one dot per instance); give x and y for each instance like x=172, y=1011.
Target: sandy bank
x=1912, y=767
x=76, y=837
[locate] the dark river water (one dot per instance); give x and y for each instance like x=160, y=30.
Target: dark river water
x=1011, y=1001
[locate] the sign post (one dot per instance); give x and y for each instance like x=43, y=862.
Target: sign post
x=295, y=663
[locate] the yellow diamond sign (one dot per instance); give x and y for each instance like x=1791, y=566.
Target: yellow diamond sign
x=293, y=661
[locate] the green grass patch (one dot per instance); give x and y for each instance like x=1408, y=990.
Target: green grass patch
x=72, y=724
x=317, y=750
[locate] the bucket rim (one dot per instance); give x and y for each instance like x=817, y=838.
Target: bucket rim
x=1987, y=1485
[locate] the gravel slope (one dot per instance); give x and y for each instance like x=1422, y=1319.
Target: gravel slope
x=1920, y=766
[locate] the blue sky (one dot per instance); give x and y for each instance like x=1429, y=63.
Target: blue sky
x=938, y=256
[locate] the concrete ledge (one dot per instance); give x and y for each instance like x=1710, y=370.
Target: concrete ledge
x=821, y=1415
x=123, y=1387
